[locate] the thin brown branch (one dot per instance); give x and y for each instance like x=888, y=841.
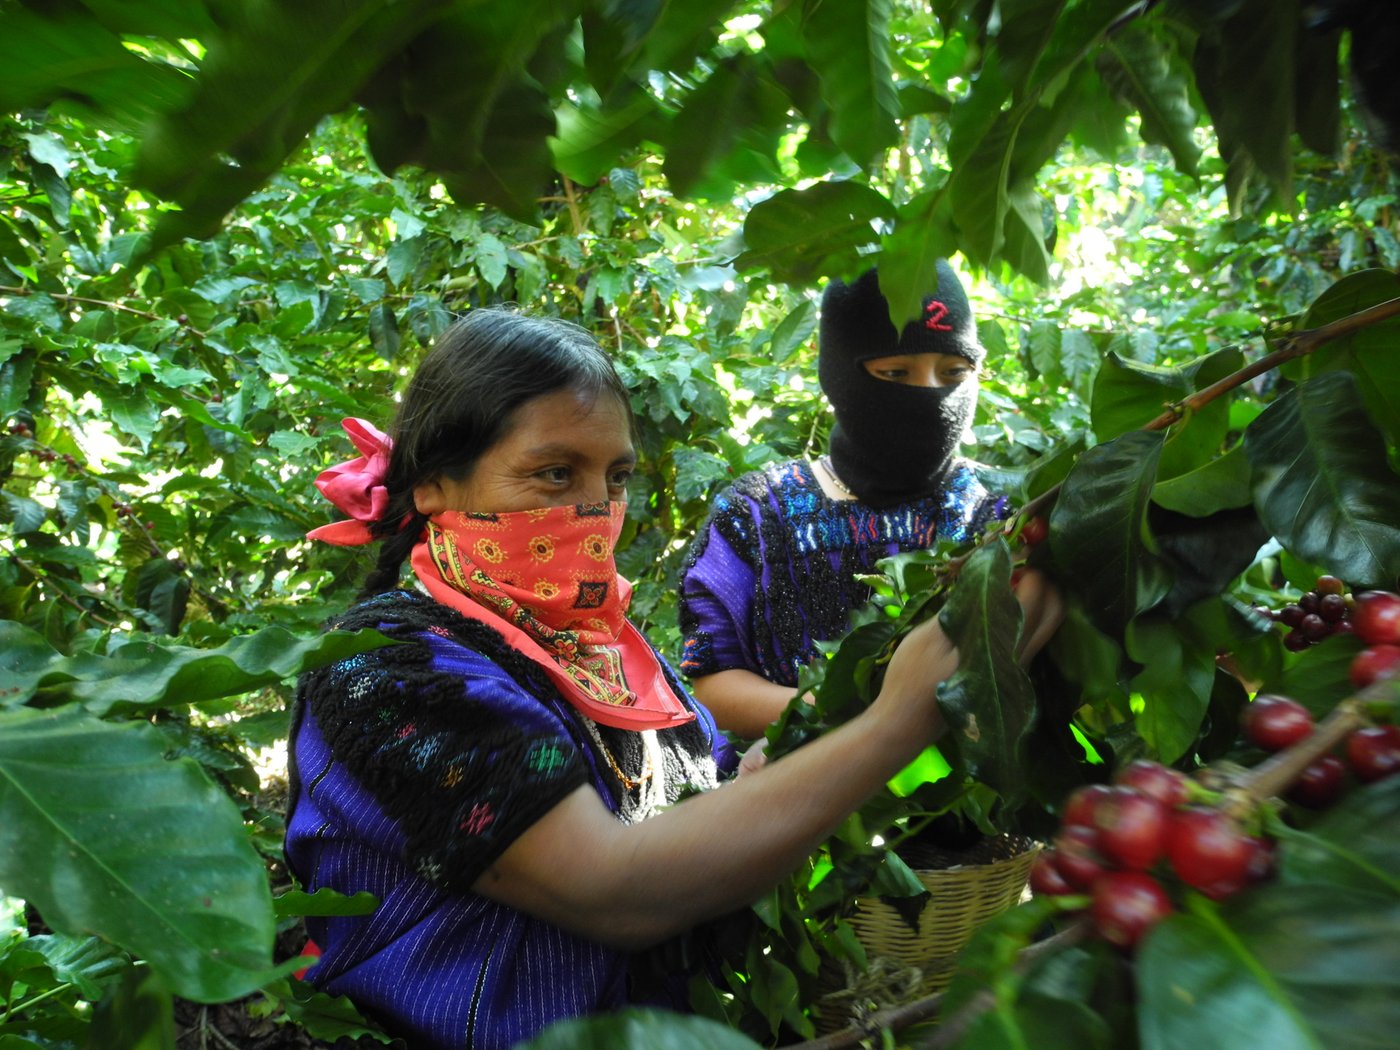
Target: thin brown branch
x=1274, y=775
x=105, y=303
x=1297, y=345
x=62, y=596
x=572, y=200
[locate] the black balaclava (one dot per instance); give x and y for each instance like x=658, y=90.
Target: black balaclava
x=893, y=443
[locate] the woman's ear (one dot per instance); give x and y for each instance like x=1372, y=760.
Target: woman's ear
x=429, y=497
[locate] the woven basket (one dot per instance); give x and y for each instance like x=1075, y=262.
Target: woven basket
x=966, y=888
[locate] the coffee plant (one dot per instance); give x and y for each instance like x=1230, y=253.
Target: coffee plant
x=226, y=226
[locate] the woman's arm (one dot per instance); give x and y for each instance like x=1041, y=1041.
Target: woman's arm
x=743, y=703
x=632, y=886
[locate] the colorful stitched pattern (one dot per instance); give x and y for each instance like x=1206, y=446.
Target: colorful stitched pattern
x=775, y=570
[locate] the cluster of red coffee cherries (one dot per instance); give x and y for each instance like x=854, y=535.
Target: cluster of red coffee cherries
x=1316, y=615
x=1273, y=723
x=1124, y=844
x=1128, y=845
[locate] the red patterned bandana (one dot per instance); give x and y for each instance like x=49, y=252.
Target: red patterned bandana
x=547, y=581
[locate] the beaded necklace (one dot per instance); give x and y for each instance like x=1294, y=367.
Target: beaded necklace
x=825, y=461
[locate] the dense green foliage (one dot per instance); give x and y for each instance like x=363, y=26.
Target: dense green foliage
x=217, y=240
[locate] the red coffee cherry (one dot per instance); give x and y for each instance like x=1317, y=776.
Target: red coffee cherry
x=1126, y=905
x=1077, y=856
x=1207, y=849
x=1332, y=607
x=1034, y=531
x=1276, y=722
x=1376, y=618
x=1320, y=784
x=1330, y=585
x=1080, y=806
x=1168, y=786
x=1376, y=662
x=1132, y=829
x=1374, y=753
x=1045, y=878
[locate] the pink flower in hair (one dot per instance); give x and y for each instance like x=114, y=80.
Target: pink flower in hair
x=356, y=486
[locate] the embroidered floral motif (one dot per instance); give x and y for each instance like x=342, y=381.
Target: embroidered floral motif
x=546, y=589
x=591, y=595
x=542, y=548
x=479, y=819
x=489, y=550
x=548, y=759
x=596, y=547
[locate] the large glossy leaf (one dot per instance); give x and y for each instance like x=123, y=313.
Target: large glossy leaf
x=1317, y=94
x=1250, y=90
x=1355, y=845
x=1087, y=656
x=1318, y=678
x=1175, y=683
x=267, y=79
x=1369, y=354
x=800, y=234
x=143, y=674
x=1221, y=484
x=681, y=31
x=1322, y=483
x=989, y=703
x=728, y=131
x=1141, y=66
x=70, y=55
x=849, y=46
x=324, y=1016
x=923, y=235
x=1041, y=44
x=138, y=1015
x=1129, y=394
x=589, y=141
x=1288, y=967
x=106, y=836
x=1041, y=1022
x=1098, y=531
x=1205, y=553
x=87, y=963
x=1024, y=235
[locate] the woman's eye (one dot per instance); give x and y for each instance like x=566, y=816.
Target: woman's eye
x=619, y=479
x=555, y=475
x=892, y=374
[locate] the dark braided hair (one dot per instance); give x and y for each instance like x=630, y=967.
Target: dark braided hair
x=461, y=401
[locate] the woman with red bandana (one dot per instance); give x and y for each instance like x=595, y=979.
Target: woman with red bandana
x=502, y=776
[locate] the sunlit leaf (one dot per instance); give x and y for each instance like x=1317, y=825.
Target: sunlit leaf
x=106, y=836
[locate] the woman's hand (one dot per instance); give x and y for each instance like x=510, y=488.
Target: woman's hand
x=1043, y=609
x=925, y=657
x=754, y=759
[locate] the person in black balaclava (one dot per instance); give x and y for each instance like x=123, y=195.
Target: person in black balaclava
x=777, y=568
x=899, y=419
